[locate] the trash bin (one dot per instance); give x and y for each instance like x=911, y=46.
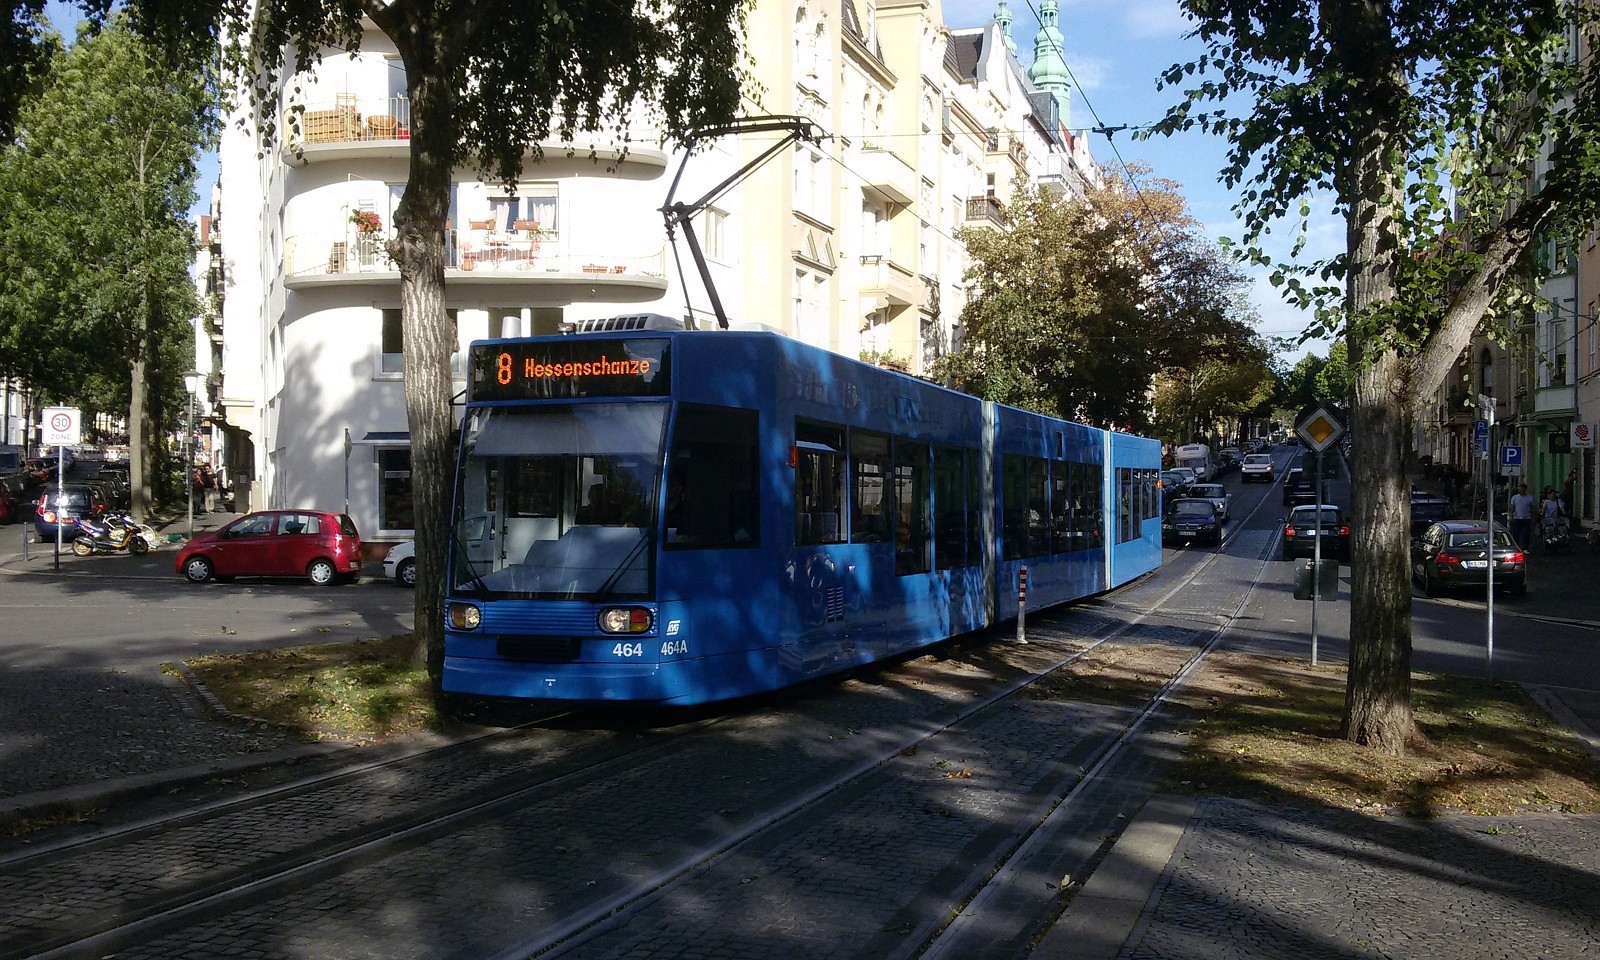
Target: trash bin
x=1327, y=582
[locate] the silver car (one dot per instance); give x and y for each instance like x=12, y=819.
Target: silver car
x=1216, y=493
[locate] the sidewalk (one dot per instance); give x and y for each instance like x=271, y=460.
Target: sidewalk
x=77, y=737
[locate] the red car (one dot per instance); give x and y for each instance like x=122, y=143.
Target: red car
x=322, y=547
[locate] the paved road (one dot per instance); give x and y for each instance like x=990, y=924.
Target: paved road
x=84, y=705
x=1188, y=879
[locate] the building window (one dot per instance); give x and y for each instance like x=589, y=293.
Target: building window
x=394, y=489
x=807, y=180
x=716, y=229
x=391, y=349
x=534, y=203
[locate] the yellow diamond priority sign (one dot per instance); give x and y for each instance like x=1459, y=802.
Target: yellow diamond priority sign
x=1320, y=430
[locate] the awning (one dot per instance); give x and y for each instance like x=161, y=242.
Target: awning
x=385, y=438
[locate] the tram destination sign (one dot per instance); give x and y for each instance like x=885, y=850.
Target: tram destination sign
x=565, y=369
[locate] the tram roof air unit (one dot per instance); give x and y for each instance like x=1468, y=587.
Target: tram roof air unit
x=634, y=321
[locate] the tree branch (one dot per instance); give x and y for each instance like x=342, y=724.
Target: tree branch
x=1478, y=292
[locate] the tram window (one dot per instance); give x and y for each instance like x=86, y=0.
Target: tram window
x=1038, y=508
x=1061, y=532
x=713, y=484
x=1014, y=506
x=1124, y=504
x=870, y=509
x=950, y=508
x=1092, y=502
x=533, y=487
x=819, y=484
x=911, y=507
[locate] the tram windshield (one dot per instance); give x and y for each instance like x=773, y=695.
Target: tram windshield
x=558, y=502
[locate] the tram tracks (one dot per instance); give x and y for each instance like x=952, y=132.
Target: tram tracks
x=588, y=837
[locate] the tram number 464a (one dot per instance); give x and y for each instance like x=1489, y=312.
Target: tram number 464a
x=669, y=648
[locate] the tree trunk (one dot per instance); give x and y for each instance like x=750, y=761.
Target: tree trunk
x=138, y=465
x=428, y=336
x=1377, y=710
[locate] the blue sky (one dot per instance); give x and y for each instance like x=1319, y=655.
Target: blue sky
x=1116, y=50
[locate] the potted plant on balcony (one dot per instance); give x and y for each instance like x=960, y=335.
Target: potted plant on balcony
x=368, y=225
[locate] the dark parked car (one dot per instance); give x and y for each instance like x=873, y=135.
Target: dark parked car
x=1426, y=509
x=1455, y=553
x=116, y=486
x=320, y=546
x=61, y=507
x=1191, y=521
x=1304, y=522
x=1298, y=487
x=1173, y=484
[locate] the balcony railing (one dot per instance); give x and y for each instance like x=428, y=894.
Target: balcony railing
x=329, y=254
x=348, y=119
x=983, y=208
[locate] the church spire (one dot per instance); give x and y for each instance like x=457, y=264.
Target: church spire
x=1049, y=70
x=1002, y=16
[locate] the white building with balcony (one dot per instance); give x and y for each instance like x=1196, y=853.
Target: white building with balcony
x=847, y=242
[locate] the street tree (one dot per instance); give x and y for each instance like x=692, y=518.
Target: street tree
x=1077, y=303
x=1453, y=136
x=488, y=81
x=95, y=245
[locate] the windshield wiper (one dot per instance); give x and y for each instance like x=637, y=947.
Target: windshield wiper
x=462, y=558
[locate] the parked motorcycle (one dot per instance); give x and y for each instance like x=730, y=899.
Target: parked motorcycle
x=113, y=533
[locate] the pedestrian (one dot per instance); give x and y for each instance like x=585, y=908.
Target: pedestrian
x=1522, y=517
x=1549, y=511
x=208, y=486
x=1569, y=506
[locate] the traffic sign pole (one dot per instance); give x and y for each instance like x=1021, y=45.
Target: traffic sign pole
x=60, y=428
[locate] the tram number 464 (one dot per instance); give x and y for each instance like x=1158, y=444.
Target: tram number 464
x=669, y=648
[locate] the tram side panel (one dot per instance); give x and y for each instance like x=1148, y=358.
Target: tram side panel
x=1050, y=509
x=880, y=495
x=1135, y=522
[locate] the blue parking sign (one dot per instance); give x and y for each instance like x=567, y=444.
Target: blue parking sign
x=1480, y=435
x=1511, y=455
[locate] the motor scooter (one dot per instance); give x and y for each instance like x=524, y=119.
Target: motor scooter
x=113, y=533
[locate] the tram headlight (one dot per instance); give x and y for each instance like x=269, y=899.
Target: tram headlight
x=464, y=616
x=625, y=619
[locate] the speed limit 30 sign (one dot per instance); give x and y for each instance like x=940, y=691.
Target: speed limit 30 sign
x=61, y=427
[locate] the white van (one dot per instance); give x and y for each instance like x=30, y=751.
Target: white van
x=1197, y=457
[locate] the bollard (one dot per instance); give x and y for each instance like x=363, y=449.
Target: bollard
x=1022, y=605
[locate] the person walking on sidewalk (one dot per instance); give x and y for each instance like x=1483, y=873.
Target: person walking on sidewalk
x=1549, y=513
x=1522, y=517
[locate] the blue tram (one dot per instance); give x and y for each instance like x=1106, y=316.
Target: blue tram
x=687, y=516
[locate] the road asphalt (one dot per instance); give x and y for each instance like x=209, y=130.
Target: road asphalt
x=1190, y=877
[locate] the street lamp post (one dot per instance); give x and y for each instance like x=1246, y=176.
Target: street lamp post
x=191, y=383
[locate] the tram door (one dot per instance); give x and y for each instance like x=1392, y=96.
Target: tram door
x=820, y=574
